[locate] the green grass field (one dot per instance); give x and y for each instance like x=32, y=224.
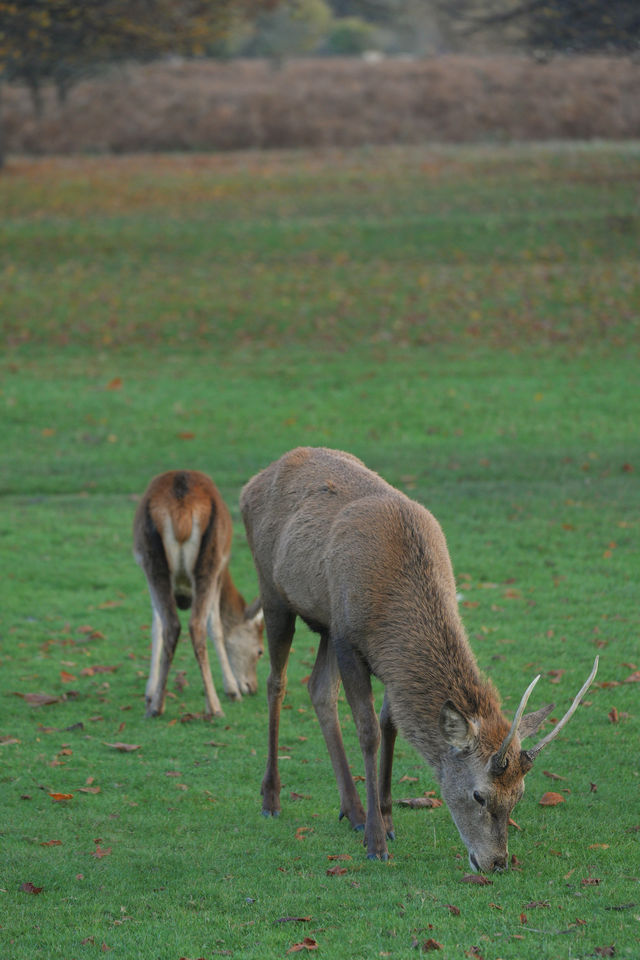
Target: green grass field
x=466, y=321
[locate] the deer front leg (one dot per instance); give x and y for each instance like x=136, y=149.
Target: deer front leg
x=280, y=625
x=357, y=686
x=388, y=738
x=323, y=687
x=216, y=633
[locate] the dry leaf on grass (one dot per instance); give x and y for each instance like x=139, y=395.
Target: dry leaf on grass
x=58, y=797
x=307, y=944
x=336, y=871
x=29, y=888
x=551, y=799
x=123, y=747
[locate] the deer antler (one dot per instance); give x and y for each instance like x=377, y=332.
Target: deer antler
x=498, y=762
x=533, y=753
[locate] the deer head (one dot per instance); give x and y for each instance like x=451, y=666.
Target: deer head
x=480, y=784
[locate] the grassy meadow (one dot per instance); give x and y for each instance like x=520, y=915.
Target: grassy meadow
x=467, y=321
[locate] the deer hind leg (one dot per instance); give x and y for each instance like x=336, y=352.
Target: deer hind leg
x=356, y=679
x=165, y=632
x=324, y=685
x=280, y=624
x=205, y=598
x=388, y=738
x=216, y=632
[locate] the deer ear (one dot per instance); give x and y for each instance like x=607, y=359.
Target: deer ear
x=254, y=612
x=456, y=730
x=531, y=722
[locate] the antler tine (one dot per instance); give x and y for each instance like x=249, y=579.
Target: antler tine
x=533, y=753
x=497, y=761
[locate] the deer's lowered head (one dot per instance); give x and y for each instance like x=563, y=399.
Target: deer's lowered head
x=482, y=777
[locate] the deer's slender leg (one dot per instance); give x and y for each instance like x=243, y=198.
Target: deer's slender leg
x=165, y=632
x=356, y=679
x=280, y=624
x=387, y=742
x=324, y=685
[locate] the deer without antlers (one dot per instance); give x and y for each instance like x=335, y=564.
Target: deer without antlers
x=368, y=570
x=182, y=540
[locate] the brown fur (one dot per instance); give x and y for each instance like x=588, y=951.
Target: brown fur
x=182, y=539
x=369, y=570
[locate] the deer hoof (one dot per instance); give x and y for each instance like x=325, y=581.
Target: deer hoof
x=391, y=835
x=375, y=856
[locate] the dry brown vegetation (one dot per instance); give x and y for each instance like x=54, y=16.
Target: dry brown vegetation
x=337, y=102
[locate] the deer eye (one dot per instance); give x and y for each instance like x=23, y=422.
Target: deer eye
x=479, y=798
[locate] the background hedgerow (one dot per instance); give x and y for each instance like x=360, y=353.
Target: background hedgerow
x=334, y=102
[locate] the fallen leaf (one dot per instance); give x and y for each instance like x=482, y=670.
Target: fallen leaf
x=124, y=747
x=101, y=852
x=339, y=856
x=606, y=951
x=67, y=677
x=455, y=911
x=634, y=678
x=613, y=715
x=115, y=384
x=301, y=831
x=476, y=878
x=307, y=944
x=89, y=789
x=551, y=799
x=590, y=882
x=336, y=871
x=512, y=823
x=431, y=944
x=6, y=741
x=537, y=903
x=407, y=778
x=57, y=797
x=293, y=920
x=51, y=843
x=598, y=846
x=29, y=888
x=39, y=699
x=552, y=776
x=523, y=918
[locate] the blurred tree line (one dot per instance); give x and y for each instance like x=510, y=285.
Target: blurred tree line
x=60, y=41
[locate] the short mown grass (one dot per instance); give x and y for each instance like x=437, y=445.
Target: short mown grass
x=466, y=321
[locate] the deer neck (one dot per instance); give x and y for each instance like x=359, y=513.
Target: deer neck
x=232, y=603
x=442, y=667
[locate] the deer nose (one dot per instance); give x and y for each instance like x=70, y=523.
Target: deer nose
x=500, y=863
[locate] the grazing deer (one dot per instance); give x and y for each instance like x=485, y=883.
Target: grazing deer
x=368, y=570
x=182, y=540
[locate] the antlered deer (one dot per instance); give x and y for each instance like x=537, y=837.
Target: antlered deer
x=182, y=540
x=368, y=570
